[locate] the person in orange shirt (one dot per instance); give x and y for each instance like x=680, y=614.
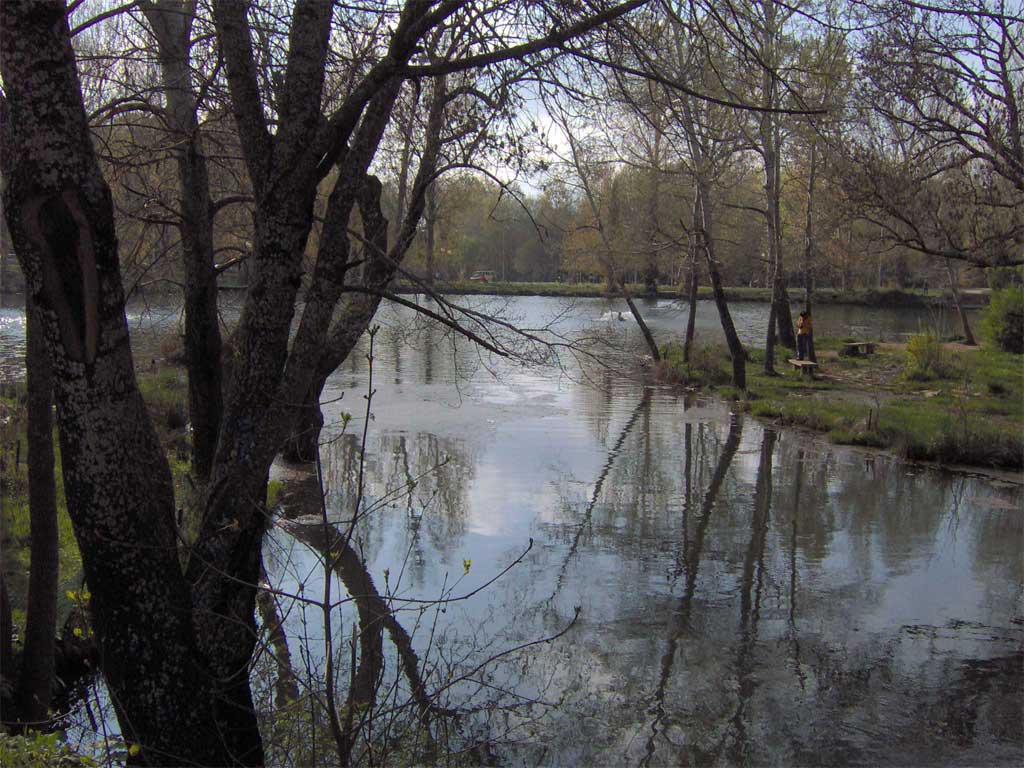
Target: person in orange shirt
x=804, y=330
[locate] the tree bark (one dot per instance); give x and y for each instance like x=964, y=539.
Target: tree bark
x=36, y=683
x=171, y=22
x=381, y=265
x=116, y=479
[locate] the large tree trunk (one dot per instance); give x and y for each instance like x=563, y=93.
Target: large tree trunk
x=171, y=21
x=116, y=479
x=272, y=373
x=36, y=683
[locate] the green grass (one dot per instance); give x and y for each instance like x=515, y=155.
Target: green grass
x=973, y=415
x=707, y=367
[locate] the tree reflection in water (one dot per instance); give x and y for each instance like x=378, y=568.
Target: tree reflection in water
x=749, y=596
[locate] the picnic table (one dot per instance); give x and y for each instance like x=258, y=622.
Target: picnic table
x=857, y=348
x=806, y=367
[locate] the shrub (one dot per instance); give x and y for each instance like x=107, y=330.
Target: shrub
x=40, y=750
x=705, y=369
x=999, y=278
x=1003, y=320
x=927, y=358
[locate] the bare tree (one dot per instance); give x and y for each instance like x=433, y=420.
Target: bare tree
x=936, y=160
x=176, y=644
x=604, y=213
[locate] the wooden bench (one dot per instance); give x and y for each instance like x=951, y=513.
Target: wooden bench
x=857, y=349
x=806, y=367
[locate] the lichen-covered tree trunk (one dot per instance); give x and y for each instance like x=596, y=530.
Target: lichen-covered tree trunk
x=36, y=680
x=116, y=479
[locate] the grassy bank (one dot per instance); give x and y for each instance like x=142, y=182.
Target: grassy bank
x=924, y=401
x=876, y=298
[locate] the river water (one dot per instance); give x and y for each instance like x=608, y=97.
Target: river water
x=723, y=593
x=745, y=595
x=151, y=321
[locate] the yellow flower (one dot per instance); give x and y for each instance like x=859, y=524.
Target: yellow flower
x=466, y=565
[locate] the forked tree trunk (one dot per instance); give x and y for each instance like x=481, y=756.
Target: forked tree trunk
x=116, y=479
x=381, y=265
x=36, y=683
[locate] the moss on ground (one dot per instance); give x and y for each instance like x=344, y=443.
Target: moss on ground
x=968, y=409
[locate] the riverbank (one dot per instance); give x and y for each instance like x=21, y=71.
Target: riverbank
x=885, y=297
x=926, y=400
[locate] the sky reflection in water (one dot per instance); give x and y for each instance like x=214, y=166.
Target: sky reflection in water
x=746, y=596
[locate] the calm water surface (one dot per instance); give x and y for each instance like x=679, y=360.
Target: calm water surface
x=152, y=320
x=745, y=596
x=722, y=593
